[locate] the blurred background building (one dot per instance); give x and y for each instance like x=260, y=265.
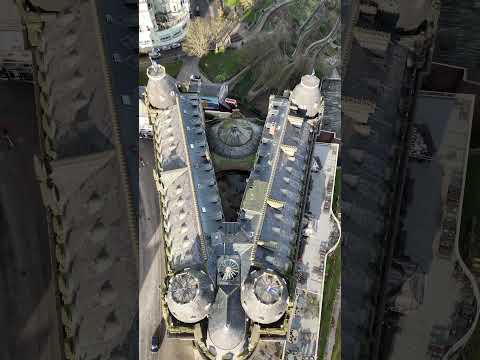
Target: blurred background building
x=15, y=60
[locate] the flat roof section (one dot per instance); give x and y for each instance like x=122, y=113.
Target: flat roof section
x=321, y=236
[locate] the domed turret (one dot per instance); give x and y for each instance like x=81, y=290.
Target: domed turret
x=235, y=135
x=264, y=296
x=306, y=95
x=190, y=294
x=161, y=88
x=234, y=138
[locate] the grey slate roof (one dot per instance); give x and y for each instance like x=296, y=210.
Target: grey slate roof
x=234, y=138
x=279, y=177
x=181, y=232
x=226, y=325
x=190, y=202
x=264, y=296
x=332, y=114
x=203, y=174
x=162, y=88
x=190, y=295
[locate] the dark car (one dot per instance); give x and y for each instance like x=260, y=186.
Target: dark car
x=155, y=344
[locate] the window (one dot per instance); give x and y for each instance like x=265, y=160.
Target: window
x=126, y=100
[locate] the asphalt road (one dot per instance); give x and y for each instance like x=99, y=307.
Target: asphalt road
x=121, y=39
x=152, y=271
x=30, y=327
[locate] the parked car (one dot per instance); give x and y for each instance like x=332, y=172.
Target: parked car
x=195, y=77
x=232, y=102
x=146, y=134
x=155, y=344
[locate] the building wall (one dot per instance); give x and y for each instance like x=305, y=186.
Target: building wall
x=163, y=23
x=15, y=59
x=145, y=26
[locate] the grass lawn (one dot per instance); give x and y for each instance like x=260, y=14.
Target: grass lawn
x=173, y=69
x=332, y=282
x=232, y=3
x=243, y=85
x=471, y=200
x=475, y=136
x=222, y=66
x=471, y=207
x=337, y=348
x=142, y=78
x=337, y=190
x=472, y=349
x=221, y=163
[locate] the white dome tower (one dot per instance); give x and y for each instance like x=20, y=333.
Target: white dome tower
x=161, y=88
x=306, y=95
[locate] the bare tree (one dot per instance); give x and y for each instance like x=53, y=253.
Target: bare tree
x=247, y=4
x=282, y=35
x=197, y=40
x=217, y=27
x=202, y=32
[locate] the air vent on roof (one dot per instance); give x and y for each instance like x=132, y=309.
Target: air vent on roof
x=228, y=269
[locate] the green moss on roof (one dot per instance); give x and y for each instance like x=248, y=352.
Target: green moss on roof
x=255, y=196
x=221, y=163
